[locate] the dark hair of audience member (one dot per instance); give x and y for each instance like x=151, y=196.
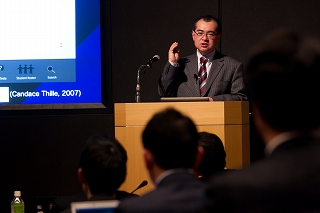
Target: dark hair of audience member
x=103, y=162
x=172, y=138
x=286, y=104
x=214, y=157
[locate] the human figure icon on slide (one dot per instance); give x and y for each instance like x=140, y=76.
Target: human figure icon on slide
x=31, y=68
x=20, y=69
x=25, y=68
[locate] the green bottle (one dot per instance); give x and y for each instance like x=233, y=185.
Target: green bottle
x=17, y=204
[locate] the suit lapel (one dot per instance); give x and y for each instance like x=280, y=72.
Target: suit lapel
x=216, y=66
x=191, y=70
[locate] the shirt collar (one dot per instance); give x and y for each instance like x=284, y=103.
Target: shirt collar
x=279, y=139
x=208, y=56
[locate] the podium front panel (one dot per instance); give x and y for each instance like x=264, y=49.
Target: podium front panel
x=228, y=120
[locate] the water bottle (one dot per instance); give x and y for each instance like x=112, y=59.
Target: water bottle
x=17, y=204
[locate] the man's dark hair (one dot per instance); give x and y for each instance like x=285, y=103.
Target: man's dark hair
x=208, y=18
x=214, y=158
x=103, y=162
x=172, y=138
x=282, y=79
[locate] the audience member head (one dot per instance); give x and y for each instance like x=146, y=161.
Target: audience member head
x=170, y=140
x=282, y=79
x=102, y=167
x=214, y=155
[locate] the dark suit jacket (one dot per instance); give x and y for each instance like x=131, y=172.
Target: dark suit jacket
x=286, y=181
x=178, y=192
x=225, y=81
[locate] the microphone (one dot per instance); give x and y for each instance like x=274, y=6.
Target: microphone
x=152, y=60
x=196, y=76
x=142, y=184
x=139, y=79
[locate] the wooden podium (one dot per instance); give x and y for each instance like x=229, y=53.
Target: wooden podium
x=229, y=120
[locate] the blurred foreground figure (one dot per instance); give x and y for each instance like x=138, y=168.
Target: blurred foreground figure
x=282, y=79
x=170, y=142
x=102, y=170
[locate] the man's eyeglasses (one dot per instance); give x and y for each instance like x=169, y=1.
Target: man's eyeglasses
x=200, y=34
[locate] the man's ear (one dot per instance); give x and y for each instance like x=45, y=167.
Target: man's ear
x=198, y=158
x=193, y=35
x=148, y=158
x=81, y=178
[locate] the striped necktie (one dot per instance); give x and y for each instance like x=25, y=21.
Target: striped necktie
x=202, y=74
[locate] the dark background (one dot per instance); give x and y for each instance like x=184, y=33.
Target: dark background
x=39, y=153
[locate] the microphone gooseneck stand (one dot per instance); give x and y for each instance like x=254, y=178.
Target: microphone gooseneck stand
x=139, y=79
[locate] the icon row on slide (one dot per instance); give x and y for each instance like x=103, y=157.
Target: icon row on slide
x=26, y=69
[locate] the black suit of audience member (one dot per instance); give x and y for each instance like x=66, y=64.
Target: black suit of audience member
x=102, y=169
x=170, y=142
x=282, y=78
x=214, y=156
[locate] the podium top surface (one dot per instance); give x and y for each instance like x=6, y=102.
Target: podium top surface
x=184, y=99
x=202, y=113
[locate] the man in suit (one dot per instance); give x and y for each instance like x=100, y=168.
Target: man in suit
x=102, y=170
x=223, y=76
x=170, y=142
x=283, y=85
